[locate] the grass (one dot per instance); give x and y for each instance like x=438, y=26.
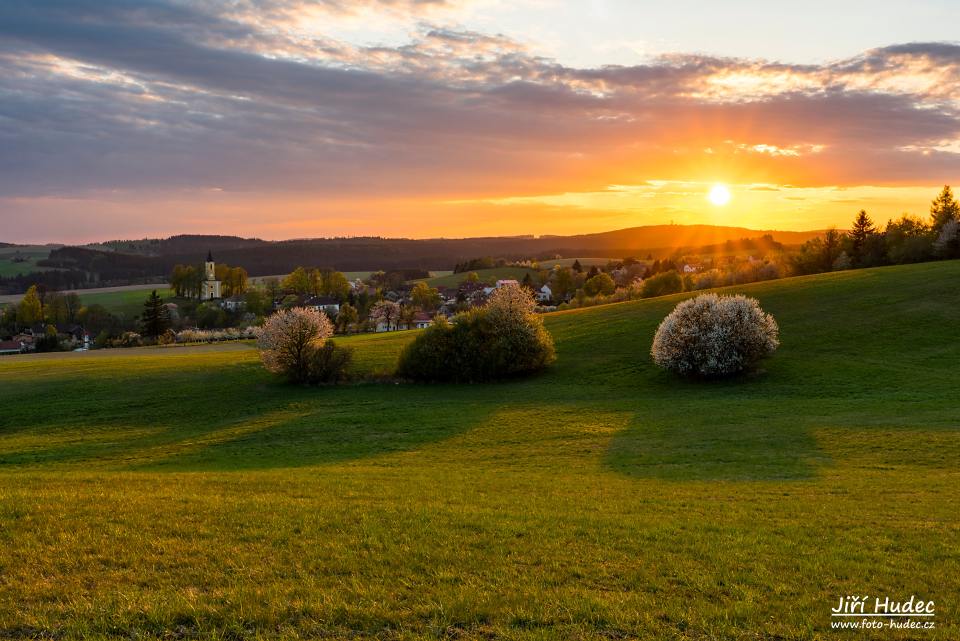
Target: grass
x=31, y=254
x=586, y=263
x=126, y=304
x=186, y=494
x=488, y=276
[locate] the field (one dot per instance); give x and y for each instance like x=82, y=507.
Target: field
x=184, y=493
x=488, y=276
x=32, y=253
x=586, y=263
x=125, y=301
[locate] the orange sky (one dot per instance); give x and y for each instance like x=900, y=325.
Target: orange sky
x=422, y=119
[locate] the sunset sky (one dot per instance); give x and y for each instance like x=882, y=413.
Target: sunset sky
x=427, y=118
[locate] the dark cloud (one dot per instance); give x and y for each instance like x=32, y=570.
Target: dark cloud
x=105, y=94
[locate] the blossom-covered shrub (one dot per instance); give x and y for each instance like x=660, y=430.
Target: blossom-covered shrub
x=217, y=335
x=503, y=339
x=288, y=339
x=711, y=336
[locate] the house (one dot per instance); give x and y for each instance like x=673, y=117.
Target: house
x=12, y=347
x=503, y=282
x=234, y=304
x=544, y=294
x=327, y=304
x=690, y=269
x=422, y=320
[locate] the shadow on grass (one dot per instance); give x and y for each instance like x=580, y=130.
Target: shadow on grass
x=717, y=430
x=353, y=423
x=268, y=425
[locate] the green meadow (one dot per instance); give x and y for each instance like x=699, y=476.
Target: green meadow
x=126, y=303
x=488, y=276
x=183, y=493
x=22, y=259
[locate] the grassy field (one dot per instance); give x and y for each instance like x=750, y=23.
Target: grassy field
x=586, y=263
x=488, y=276
x=32, y=253
x=128, y=303
x=184, y=493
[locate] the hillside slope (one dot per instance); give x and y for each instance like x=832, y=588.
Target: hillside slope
x=186, y=492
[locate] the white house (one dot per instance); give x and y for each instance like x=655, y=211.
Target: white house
x=545, y=294
x=234, y=303
x=323, y=304
x=422, y=320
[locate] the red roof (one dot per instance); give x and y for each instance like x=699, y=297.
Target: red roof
x=422, y=316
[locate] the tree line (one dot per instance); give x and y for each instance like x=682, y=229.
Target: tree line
x=908, y=239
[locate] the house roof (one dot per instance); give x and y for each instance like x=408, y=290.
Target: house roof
x=422, y=316
x=321, y=300
x=6, y=346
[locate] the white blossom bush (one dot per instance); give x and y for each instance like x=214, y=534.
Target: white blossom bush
x=386, y=312
x=713, y=336
x=947, y=244
x=289, y=338
x=217, y=335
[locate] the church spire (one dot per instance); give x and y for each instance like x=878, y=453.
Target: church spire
x=209, y=256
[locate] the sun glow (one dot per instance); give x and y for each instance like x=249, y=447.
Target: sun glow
x=719, y=195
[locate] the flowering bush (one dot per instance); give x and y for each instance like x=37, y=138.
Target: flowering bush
x=289, y=338
x=386, y=312
x=504, y=338
x=217, y=335
x=714, y=335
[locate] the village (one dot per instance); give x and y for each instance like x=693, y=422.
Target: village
x=212, y=301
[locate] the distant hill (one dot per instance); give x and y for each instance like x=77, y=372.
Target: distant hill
x=121, y=262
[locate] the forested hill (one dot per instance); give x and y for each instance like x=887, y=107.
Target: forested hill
x=130, y=261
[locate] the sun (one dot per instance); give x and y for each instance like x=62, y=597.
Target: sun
x=719, y=195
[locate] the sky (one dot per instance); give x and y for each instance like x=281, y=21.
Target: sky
x=450, y=118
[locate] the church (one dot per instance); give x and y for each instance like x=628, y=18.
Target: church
x=210, y=287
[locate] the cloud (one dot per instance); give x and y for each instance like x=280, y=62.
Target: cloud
x=176, y=96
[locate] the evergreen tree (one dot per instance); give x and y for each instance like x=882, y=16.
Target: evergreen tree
x=862, y=229
x=154, y=320
x=944, y=208
x=577, y=267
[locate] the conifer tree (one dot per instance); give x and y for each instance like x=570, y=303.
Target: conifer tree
x=944, y=208
x=862, y=229
x=155, y=319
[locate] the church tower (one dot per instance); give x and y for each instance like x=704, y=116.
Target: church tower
x=210, y=289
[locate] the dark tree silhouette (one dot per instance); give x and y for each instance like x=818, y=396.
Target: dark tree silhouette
x=944, y=208
x=154, y=321
x=863, y=229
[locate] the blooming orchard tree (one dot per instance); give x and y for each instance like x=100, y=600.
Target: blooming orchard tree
x=502, y=339
x=712, y=336
x=511, y=303
x=289, y=338
x=386, y=312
